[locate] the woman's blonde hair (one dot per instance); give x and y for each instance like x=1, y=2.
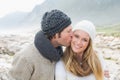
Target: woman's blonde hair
x=90, y=63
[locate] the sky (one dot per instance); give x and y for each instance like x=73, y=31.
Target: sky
x=11, y=6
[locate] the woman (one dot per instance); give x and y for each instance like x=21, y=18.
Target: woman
x=80, y=61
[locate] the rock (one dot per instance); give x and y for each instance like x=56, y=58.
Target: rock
x=118, y=61
x=108, y=46
x=11, y=44
x=5, y=65
x=115, y=56
x=117, y=76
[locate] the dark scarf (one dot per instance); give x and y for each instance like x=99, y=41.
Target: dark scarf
x=45, y=47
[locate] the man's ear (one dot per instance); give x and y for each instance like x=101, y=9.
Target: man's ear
x=56, y=36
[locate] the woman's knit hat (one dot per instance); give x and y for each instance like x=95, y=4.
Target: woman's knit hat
x=54, y=22
x=86, y=26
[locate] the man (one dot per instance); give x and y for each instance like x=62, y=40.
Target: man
x=37, y=61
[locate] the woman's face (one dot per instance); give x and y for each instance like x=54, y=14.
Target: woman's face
x=79, y=41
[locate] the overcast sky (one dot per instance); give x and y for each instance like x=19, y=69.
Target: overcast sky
x=10, y=6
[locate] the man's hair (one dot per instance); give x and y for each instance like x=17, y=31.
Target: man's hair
x=50, y=37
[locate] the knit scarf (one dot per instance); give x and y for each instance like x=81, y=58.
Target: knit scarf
x=45, y=47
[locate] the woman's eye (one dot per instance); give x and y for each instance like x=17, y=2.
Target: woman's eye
x=85, y=40
x=76, y=36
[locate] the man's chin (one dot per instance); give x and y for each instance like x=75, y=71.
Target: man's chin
x=68, y=45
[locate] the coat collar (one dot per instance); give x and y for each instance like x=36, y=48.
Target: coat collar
x=45, y=47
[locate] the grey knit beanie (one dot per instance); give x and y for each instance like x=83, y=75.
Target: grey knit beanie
x=54, y=22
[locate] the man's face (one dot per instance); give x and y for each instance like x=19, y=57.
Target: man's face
x=65, y=36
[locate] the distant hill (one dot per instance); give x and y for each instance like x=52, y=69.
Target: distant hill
x=113, y=30
x=12, y=20
x=100, y=12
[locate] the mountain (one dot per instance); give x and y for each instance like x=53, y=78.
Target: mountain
x=12, y=20
x=100, y=12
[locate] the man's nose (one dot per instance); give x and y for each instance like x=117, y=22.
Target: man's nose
x=71, y=34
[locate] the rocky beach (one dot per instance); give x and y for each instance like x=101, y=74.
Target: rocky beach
x=11, y=44
x=105, y=14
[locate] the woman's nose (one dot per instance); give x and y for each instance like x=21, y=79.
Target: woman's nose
x=79, y=42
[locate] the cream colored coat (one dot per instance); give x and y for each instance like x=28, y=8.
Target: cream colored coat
x=31, y=65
